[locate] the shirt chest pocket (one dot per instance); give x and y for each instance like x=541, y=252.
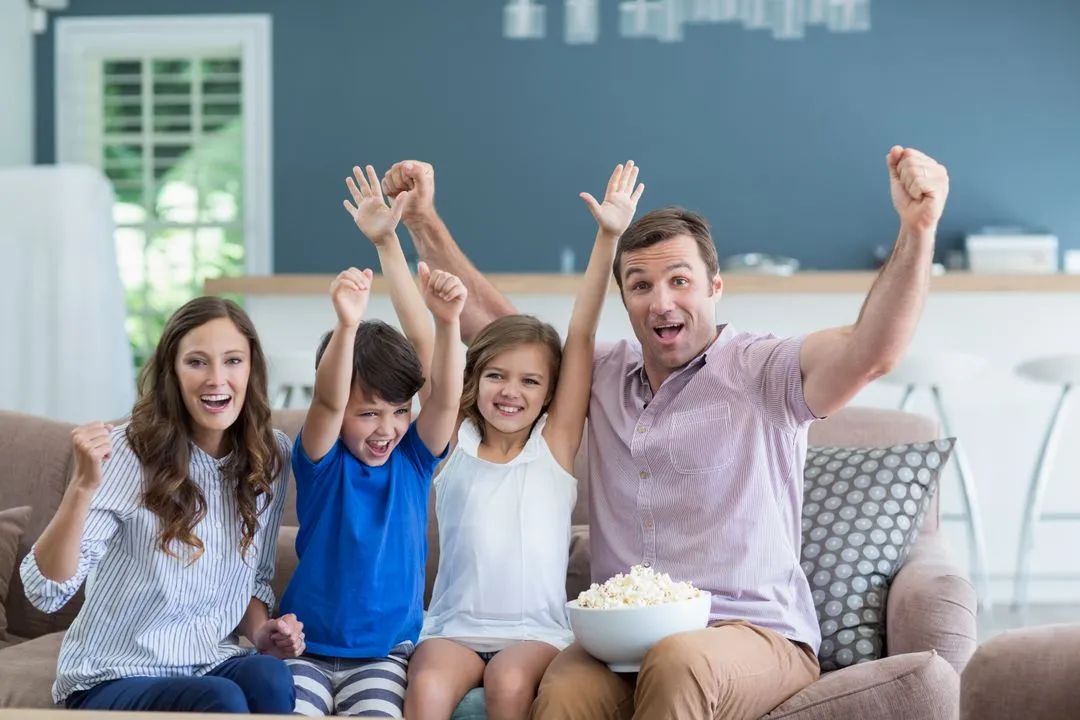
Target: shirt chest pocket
x=700, y=439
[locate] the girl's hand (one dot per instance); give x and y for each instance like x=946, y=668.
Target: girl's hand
x=620, y=200
x=92, y=447
x=349, y=292
x=281, y=637
x=370, y=213
x=444, y=294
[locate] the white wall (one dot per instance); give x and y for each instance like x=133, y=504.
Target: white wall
x=16, y=84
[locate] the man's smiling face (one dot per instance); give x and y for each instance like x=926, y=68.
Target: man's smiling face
x=671, y=301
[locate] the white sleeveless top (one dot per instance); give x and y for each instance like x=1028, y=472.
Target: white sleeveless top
x=504, y=537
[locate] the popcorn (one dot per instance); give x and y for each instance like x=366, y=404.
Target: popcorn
x=641, y=587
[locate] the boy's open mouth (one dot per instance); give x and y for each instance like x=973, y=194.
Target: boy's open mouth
x=378, y=447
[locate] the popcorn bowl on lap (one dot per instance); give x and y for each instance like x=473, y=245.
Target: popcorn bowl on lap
x=619, y=621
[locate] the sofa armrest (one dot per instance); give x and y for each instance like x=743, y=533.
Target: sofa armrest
x=1029, y=673
x=931, y=605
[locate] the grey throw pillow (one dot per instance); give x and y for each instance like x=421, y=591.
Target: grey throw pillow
x=13, y=524
x=862, y=510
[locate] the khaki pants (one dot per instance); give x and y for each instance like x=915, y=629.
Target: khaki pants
x=730, y=670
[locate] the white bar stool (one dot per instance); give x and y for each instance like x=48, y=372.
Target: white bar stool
x=1063, y=371
x=291, y=379
x=934, y=371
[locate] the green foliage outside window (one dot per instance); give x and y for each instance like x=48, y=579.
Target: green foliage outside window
x=178, y=183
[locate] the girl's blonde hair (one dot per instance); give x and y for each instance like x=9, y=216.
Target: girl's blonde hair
x=504, y=334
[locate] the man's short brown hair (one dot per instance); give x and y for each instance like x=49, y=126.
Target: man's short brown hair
x=664, y=224
x=385, y=365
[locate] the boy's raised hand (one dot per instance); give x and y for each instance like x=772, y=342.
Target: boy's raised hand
x=444, y=293
x=620, y=200
x=368, y=209
x=349, y=292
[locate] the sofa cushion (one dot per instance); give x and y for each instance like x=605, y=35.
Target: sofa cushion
x=919, y=686
x=472, y=707
x=29, y=670
x=289, y=422
x=36, y=456
x=286, y=562
x=11, y=640
x=12, y=526
x=578, y=570
x=916, y=686
x=861, y=514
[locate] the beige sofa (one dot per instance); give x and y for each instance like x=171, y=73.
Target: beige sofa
x=1031, y=673
x=930, y=611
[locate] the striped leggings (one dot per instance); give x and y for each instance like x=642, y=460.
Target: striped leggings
x=374, y=687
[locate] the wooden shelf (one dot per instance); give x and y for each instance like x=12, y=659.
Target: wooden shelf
x=803, y=282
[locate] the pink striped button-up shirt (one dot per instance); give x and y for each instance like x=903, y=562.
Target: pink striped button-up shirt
x=704, y=480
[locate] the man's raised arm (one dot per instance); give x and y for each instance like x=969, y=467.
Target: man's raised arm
x=437, y=248
x=836, y=364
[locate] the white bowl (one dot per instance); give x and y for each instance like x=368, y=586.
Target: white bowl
x=621, y=636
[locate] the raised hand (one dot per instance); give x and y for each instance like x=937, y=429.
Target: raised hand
x=919, y=186
x=415, y=178
x=444, y=294
x=349, y=292
x=368, y=210
x=620, y=200
x=281, y=637
x=92, y=446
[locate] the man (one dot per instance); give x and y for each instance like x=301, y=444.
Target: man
x=697, y=444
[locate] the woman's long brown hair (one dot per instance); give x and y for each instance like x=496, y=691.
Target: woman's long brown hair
x=160, y=433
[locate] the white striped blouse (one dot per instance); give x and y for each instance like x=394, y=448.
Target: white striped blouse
x=148, y=614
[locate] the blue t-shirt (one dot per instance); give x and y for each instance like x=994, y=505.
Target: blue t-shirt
x=362, y=543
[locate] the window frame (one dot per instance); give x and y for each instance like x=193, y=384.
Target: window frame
x=80, y=37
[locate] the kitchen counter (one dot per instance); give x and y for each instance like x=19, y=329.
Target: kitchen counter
x=803, y=282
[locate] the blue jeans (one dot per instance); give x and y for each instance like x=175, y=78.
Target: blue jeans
x=247, y=684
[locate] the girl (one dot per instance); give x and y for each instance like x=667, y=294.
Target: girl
x=172, y=520
x=505, y=496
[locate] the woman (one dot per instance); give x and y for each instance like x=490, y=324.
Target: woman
x=172, y=520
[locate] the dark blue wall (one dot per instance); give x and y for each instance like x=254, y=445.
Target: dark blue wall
x=781, y=145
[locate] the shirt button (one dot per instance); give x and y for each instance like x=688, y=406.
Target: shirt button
x=641, y=428
x=643, y=474
x=646, y=564
x=648, y=524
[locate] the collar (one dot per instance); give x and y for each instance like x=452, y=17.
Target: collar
x=724, y=334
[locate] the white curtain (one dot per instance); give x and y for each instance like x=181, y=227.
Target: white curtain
x=64, y=353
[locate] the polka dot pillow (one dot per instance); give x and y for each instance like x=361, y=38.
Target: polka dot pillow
x=862, y=511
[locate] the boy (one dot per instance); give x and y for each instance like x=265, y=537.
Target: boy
x=363, y=472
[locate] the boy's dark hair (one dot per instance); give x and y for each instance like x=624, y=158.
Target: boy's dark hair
x=384, y=362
